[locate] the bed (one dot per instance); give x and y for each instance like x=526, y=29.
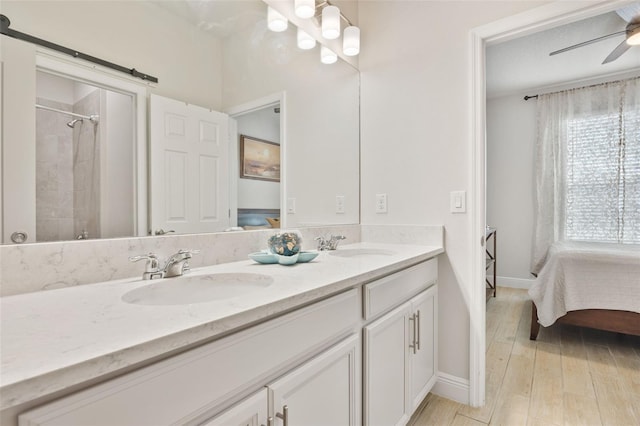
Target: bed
x=595, y=285
x=249, y=219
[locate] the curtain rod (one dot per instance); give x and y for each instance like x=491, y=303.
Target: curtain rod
x=72, y=114
x=4, y=29
x=526, y=98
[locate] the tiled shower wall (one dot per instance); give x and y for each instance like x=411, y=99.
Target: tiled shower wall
x=67, y=171
x=54, y=176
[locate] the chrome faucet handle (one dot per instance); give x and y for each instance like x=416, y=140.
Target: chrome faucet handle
x=189, y=252
x=152, y=267
x=335, y=240
x=178, y=264
x=322, y=243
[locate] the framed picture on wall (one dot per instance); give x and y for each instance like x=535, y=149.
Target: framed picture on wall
x=259, y=159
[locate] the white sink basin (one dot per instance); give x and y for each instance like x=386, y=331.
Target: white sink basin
x=198, y=289
x=361, y=252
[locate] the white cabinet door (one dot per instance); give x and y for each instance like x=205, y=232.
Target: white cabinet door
x=400, y=360
x=323, y=391
x=386, y=366
x=250, y=412
x=424, y=360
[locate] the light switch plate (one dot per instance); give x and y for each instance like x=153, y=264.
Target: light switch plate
x=339, y=203
x=291, y=205
x=381, y=203
x=458, y=202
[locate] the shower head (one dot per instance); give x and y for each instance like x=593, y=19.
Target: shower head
x=72, y=123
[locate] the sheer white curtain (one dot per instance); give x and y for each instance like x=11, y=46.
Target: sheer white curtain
x=588, y=166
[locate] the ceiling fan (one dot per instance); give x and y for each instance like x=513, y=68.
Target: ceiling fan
x=631, y=14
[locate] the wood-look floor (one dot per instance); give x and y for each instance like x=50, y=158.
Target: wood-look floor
x=569, y=376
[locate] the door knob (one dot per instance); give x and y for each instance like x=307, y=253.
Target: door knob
x=19, y=237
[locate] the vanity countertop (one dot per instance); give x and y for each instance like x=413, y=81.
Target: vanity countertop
x=55, y=339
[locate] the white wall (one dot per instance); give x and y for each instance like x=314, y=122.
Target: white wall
x=320, y=117
x=55, y=88
x=118, y=157
x=259, y=194
x=132, y=34
x=511, y=135
x=415, y=71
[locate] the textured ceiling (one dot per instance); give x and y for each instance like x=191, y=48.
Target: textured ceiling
x=524, y=63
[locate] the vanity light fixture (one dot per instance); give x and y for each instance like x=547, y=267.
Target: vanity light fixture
x=276, y=21
x=351, y=41
x=330, y=22
x=305, y=41
x=327, y=56
x=305, y=8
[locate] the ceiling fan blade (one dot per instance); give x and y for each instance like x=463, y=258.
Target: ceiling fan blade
x=617, y=52
x=630, y=13
x=585, y=43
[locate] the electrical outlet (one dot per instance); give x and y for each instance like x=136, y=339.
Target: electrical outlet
x=381, y=203
x=339, y=203
x=291, y=205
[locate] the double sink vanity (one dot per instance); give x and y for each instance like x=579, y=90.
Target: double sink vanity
x=348, y=338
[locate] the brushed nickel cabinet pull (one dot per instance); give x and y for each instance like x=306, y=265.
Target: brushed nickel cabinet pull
x=418, y=330
x=284, y=415
x=413, y=344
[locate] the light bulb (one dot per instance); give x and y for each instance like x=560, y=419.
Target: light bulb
x=276, y=21
x=351, y=41
x=327, y=56
x=305, y=8
x=305, y=41
x=330, y=22
x=633, y=36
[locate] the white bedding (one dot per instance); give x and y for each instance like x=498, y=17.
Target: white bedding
x=580, y=275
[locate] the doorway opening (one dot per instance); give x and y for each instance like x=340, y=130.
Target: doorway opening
x=536, y=20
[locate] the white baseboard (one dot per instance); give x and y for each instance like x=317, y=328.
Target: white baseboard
x=514, y=282
x=452, y=387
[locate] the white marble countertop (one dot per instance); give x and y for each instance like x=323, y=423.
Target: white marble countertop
x=59, y=338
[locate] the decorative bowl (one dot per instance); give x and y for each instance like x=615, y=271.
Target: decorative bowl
x=287, y=260
x=264, y=257
x=307, y=256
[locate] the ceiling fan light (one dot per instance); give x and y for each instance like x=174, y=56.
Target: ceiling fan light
x=351, y=41
x=330, y=22
x=305, y=8
x=276, y=21
x=327, y=56
x=305, y=41
x=633, y=36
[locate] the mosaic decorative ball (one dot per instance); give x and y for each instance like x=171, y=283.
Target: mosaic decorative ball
x=285, y=243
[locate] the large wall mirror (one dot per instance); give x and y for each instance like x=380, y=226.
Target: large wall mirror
x=87, y=174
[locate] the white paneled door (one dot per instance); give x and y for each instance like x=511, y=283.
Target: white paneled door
x=189, y=168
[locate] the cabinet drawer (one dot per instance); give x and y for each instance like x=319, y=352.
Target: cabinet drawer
x=174, y=390
x=385, y=293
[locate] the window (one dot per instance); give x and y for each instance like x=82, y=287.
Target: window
x=587, y=166
x=602, y=183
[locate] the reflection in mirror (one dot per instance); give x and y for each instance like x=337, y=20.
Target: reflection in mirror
x=84, y=161
x=258, y=198
x=218, y=54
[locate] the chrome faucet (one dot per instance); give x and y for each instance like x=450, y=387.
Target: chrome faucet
x=177, y=265
x=152, y=268
x=331, y=243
